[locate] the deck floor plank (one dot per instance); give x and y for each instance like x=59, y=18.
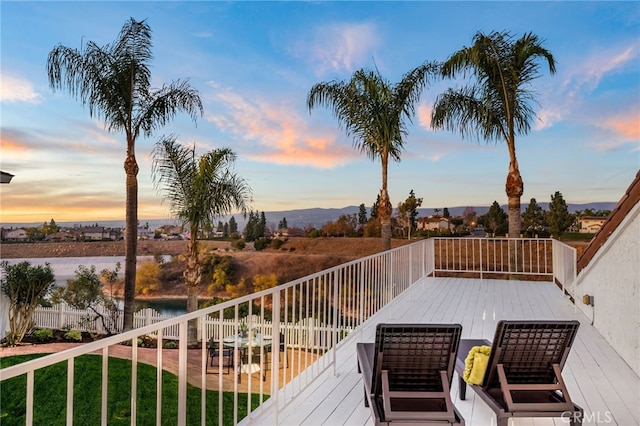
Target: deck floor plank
x=597, y=378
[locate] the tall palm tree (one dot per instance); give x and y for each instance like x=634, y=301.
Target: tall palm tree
x=374, y=113
x=497, y=105
x=199, y=190
x=114, y=81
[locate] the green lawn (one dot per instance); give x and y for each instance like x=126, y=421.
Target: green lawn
x=50, y=395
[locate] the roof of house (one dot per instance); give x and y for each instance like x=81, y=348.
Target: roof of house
x=630, y=198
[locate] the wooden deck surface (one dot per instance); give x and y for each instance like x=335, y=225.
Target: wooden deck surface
x=597, y=378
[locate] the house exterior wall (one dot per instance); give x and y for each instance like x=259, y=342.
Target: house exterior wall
x=16, y=235
x=612, y=277
x=591, y=225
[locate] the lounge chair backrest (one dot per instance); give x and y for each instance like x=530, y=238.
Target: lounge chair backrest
x=528, y=350
x=414, y=355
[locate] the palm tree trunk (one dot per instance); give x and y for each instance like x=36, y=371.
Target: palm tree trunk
x=384, y=207
x=131, y=240
x=384, y=212
x=192, y=277
x=514, y=189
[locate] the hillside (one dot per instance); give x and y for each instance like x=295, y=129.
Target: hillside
x=296, y=258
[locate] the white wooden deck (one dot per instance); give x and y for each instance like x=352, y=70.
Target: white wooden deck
x=597, y=378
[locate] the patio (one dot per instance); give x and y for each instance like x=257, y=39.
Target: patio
x=598, y=379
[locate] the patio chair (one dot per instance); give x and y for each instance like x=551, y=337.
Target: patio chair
x=216, y=351
x=523, y=376
x=407, y=373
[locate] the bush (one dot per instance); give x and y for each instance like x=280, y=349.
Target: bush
x=238, y=244
x=170, y=345
x=276, y=244
x=73, y=335
x=43, y=334
x=261, y=244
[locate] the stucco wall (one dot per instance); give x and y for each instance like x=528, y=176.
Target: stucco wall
x=612, y=277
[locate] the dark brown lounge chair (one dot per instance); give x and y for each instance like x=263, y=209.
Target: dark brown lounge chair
x=407, y=373
x=523, y=377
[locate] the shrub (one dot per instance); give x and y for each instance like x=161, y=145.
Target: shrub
x=43, y=334
x=170, y=345
x=276, y=244
x=261, y=244
x=238, y=244
x=147, y=277
x=73, y=335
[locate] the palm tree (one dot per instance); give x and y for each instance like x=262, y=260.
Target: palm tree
x=199, y=191
x=496, y=106
x=374, y=112
x=114, y=81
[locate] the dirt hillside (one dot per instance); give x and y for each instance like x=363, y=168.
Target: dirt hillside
x=343, y=247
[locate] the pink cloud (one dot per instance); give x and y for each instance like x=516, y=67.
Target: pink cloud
x=283, y=136
x=626, y=126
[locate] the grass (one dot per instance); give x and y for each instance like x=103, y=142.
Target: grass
x=50, y=395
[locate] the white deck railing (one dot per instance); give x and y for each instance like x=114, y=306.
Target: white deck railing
x=324, y=305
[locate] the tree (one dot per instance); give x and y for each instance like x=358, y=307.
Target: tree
x=445, y=213
x=25, y=286
x=199, y=190
x=362, y=215
x=532, y=218
x=374, y=208
x=408, y=211
x=114, y=81
x=497, y=106
x=86, y=291
x=374, y=113
x=233, y=225
x=283, y=223
x=495, y=221
x=469, y=215
x=558, y=217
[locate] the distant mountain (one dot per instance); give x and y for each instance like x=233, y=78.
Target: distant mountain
x=315, y=217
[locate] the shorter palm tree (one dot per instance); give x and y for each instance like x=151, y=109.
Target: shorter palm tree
x=200, y=190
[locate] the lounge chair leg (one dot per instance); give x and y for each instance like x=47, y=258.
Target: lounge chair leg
x=366, y=400
x=463, y=388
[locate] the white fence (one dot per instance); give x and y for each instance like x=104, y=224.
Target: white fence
x=307, y=333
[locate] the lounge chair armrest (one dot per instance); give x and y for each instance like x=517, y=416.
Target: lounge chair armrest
x=507, y=388
x=387, y=394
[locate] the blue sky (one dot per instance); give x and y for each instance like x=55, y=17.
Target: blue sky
x=254, y=63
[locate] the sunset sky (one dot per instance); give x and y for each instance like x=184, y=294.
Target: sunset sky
x=254, y=63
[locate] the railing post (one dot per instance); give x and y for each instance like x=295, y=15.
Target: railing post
x=334, y=334
x=61, y=307
x=481, y=259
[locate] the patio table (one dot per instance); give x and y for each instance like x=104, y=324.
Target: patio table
x=241, y=343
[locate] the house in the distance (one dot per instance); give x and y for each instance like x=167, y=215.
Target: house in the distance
x=591, y=224
x=18, y=234
x=432, y=223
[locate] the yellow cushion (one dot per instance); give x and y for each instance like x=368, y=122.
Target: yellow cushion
x=476, y=364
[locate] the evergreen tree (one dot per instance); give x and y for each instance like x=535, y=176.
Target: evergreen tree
x=374, y=208
x=445, y=213
x=362, y=215
x=283, y=223
x=532, y=218
x=262, y=226
x=495, y=221
x=558, y=217
x=233, y=225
